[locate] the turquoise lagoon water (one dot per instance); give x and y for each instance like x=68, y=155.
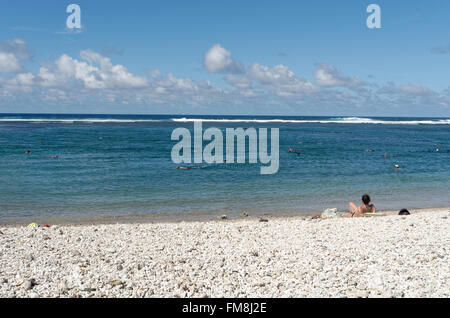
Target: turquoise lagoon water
x=119, y=166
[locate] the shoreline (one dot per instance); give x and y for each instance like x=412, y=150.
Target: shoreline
x=152, y=219
x=391, y=256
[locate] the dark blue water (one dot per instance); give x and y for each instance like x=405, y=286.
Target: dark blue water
x=109, y=166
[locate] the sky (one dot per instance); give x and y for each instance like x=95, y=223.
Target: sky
x=253, y=57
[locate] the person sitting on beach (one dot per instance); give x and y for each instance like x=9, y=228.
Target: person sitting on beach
x=366, y=207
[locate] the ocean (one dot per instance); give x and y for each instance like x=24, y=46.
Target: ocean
x=84, y=168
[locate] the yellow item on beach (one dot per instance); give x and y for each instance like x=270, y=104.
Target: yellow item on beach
x=369, y=214
x=32, y=225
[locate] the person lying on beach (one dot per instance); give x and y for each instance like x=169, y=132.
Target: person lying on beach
x=404, y=212
x=356, y=211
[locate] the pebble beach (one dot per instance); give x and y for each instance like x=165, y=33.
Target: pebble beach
x=391, y=256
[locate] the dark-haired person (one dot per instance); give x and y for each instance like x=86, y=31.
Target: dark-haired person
x=365, y=207
x=404, y=212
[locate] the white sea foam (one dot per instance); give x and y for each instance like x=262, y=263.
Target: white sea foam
x=81, y=120
x=335, y=120
x=339, y=120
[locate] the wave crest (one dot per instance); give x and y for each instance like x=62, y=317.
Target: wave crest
x=331, y=120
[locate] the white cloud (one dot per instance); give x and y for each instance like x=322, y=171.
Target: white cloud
x=415, y=89
x=327, y=75
x=411, y=90
x=93, y=79
x=11, y=53
x=18, y=47
x=94, y=71
x=155, y=73
x=9, y=63
x=280, y=79
x=217, y=59
x=25, y=79
x=267, y=75
x=46, y=78
x=238, y=81
x=177, y=84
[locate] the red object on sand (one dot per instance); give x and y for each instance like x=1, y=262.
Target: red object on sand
x=46, y=225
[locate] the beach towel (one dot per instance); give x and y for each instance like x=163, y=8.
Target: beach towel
x=331, y=214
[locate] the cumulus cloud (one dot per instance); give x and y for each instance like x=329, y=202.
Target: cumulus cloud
x=280, y=79
x=329, y=76
x=416, y=89
x=17, y=47
x=93, y=78
x=238, y=81
x=11, y=53
x=411, y=90
x=217, y=59
x=9, y=63
x=24, y=79
x=93, y=70
x=155, y=73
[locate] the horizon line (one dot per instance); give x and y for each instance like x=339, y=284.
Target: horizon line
x=160, y=114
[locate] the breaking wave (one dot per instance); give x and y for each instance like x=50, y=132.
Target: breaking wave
x=324, y=120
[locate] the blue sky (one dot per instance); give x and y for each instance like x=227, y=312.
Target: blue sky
x=226, y=57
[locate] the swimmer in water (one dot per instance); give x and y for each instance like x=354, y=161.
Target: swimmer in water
x=28, y=152
x=396, y=167
x=295, y=151
x=189, y=168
